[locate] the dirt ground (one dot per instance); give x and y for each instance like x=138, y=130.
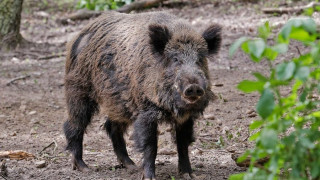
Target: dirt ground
x=33, y=109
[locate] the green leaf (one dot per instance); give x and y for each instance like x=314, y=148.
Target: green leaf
x=315, y=170
x=302, y=73
x=300, y=35
x=254, y=136
x=308, y=11
x=296, y=22
x=281, y=39
x=235, y=46
x=266, y=103
x=285, y=31
x=81, y=4
x=260, y=77
x=305, y=59
x=128, y=1
x=285, y=71
x=237, y=176
x=304, y=95
x=275, y=83
x=296, y=86
x=243, y=157
x=273, y=164
x=256, y=47
x=316, y=114
x=254, y=58
x=289, y=140
x=269, y=138
x=98, y=7
x=270, y=54
x=310, y=25
x=245, y=47
x=280, y=48
x=306, y=142
x=250, y=86
x=256, y=124
x=265, y=30
x=298, y=29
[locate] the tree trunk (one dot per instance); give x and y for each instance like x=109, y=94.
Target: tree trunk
x=10, y=16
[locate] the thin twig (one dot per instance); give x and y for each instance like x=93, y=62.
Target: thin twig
x=50, y=56
x=246, y=139
x=298, y=50
x=218, y=85
x=17, y=78
x=200, y=149
x=35, y=54
x=203, y=138
x=47, y=147
x=55, y=146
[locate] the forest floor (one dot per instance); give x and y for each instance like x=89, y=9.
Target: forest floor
x=33, y=108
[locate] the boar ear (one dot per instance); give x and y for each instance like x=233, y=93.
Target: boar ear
x=212, y=35
x=159, y=37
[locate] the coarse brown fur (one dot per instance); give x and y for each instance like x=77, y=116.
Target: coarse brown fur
x=136, y=69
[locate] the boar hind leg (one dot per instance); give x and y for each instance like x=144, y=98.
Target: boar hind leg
x=145, y=136
x=81, y=110
x=115, y=131
x=184, y=135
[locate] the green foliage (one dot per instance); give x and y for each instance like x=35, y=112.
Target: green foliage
x=311, y=10
x=289, y=105
x=101, y=5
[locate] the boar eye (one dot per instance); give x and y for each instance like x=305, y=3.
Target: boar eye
x=176, y=60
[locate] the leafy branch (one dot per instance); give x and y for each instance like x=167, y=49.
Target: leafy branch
x=289, y=125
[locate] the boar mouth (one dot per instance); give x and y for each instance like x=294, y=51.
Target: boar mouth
x=190, y=100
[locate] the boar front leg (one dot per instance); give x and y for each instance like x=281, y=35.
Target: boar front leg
x=145, y=136
x=184, y=135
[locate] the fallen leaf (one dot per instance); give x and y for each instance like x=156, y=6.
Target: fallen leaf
x=17, y=154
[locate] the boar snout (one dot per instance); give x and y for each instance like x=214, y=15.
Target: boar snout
x=191, y=84
x=193, y=92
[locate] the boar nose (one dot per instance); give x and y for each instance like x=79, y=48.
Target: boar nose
x=193, y=90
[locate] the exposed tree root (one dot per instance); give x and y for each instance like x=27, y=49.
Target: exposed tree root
x=137, y=5
x=290, y=10
x=87, y=14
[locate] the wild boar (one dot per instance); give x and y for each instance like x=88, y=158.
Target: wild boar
x=141, y=69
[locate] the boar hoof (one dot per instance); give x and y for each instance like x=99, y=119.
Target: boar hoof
x=143, y=178
x=81, y=166
x=189, y=176
x=132, y=168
